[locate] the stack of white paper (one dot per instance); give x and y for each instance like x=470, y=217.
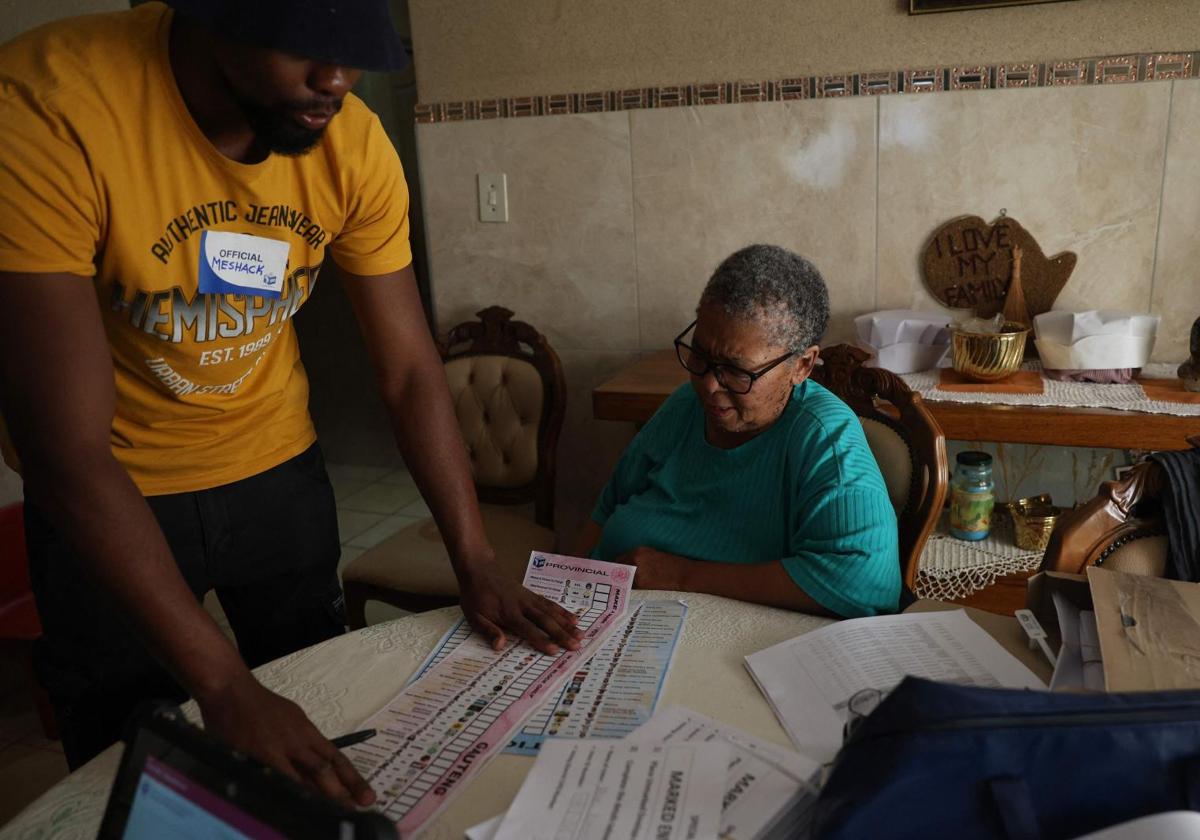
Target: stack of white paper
x=1100, y=339
x=769, y=791
x=905, y=341
x=598, y=790
x=810, y=679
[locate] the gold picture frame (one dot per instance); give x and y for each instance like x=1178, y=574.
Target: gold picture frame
x=925, y=7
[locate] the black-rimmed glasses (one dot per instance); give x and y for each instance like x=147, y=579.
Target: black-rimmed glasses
x=731, y=377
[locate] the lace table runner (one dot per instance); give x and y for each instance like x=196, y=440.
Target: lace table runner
x=951, y=568
x=1129, y=397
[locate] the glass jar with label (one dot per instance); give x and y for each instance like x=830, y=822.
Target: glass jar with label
x=972, y=496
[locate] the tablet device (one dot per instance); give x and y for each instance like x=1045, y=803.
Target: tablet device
x=177, y=781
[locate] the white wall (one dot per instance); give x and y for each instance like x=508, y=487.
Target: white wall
x=617, y=219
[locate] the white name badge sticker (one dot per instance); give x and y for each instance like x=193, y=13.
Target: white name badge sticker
x=241, y=264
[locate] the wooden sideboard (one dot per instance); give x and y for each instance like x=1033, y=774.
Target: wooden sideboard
x=637, y=391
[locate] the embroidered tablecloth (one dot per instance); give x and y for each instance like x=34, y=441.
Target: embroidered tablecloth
x=340, y=683
x=1131, y=397
x=952, y=568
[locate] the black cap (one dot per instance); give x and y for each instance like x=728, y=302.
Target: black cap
x=350, y=33
x=972, y=458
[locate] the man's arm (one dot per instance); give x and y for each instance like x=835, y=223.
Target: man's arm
x=413, y=386
x=57, y=398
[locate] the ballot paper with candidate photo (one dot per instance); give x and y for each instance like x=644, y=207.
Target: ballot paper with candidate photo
x=598, y=790
x=769, y=790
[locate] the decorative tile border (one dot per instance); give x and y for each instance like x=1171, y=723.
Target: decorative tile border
x=1105, y=70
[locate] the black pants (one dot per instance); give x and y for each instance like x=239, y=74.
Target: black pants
x=267, y=544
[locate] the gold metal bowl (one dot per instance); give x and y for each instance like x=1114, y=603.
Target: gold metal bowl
x=1033, y=521
x=988, y=357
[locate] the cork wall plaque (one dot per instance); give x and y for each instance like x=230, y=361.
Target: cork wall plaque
x=968, y=264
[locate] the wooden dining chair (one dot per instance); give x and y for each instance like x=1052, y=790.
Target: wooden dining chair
x=1121, y=528
x=907, y=443
x=509, y=397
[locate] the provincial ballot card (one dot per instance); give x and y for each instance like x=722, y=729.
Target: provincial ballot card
x=440, y=730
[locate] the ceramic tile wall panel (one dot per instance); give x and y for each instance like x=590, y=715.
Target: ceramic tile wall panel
x=564, y=260
x=707, y=181
x=1080, y=168
x=589, y=448
x=467, y=48
x=1177, y=270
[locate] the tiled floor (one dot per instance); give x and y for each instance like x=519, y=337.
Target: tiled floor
x=373, y=503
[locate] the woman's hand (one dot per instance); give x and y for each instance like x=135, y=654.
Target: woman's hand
x=656, y=569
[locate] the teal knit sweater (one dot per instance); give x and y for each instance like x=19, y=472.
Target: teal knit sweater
x=806, y=491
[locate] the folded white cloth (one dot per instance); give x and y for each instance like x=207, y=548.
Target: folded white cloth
x=904, y=340
x=1094, y=340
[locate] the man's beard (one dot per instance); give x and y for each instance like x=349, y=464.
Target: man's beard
x=276, y=129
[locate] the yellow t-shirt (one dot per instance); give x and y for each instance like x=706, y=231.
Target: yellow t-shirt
x=103, y=173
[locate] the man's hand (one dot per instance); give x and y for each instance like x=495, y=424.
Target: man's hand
x=274, y=730
x=656, y=569
x=496, y=605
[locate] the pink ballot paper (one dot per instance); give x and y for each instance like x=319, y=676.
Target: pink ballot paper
x=440, y=730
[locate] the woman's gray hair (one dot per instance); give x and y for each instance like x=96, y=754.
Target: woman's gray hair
x=776, y=288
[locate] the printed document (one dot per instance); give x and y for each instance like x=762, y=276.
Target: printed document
x=610, y=696
x=598, y=790
x=810, y=679
x=440, y=730
x=769, y=791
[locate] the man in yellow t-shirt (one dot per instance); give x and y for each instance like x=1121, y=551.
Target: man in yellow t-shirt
x=170, y=181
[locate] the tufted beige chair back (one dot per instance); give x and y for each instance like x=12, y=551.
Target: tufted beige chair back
x=508, y=391
x=906, y=441
x=498, y=401
x=895, y=460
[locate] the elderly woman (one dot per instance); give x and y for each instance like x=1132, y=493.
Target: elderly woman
x=753, y=481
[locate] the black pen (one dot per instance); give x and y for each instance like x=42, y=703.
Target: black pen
x=343, y=741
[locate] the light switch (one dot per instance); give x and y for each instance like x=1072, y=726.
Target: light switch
x=493, y=198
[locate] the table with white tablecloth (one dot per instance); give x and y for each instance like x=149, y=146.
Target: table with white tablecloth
x=341, y=682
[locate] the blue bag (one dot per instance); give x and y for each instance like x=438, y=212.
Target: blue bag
x=940, y=760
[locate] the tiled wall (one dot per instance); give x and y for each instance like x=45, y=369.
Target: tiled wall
x=1102, y=70
x=468, y=50
x=617, y=219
